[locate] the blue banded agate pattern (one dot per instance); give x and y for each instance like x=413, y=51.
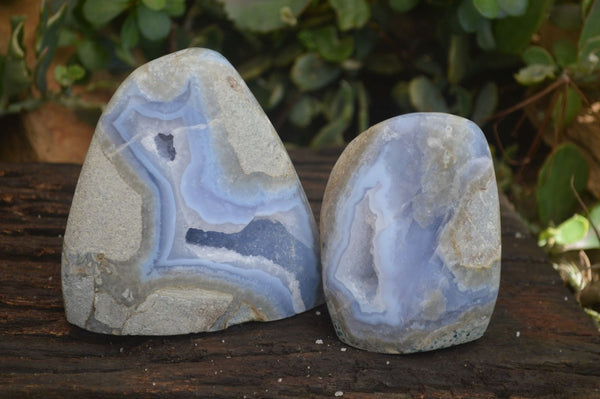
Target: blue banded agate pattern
x=224, y=229
x=411, y=235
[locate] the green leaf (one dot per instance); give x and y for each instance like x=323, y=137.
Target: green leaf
x=16, y=47
x=555, y=200
x=485, y=103
x=46, y=41
x=534, y=74
x=92, y=55
x=101, y=12
x=564, y=52
x=589, y=55
x=590, y=239
x=464, y=101
x=175, y=8
x=514, y=8
x=277, y=95
x=351, y=13
x=595, y=215
x=566, y=16
x=66, y=37
x=340, y=114
x=311, y=72
x=326, y=42
x=513, y=34
x=154, y=25
x=403, y=5
x=567, y=112
x=16, y=76
x=485, y=36
x=401, y=96
x=487, y=8
x=458, y=58
x=67, y=75
x=129, y=32
x=28, y=104
x=341, y=105
x=255, y=67
x=287, y=16
x=568, y=232
x=304, y=110
x=425, y=95
x=125, y=55
x=332, y=134
x=265, y=15
x=269, y=92
x=155, y=5
x=468, y=17
x=571, y=230
x=537, y=55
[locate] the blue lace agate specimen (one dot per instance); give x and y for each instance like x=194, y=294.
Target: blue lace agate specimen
x=188, y=215
x=410, y=235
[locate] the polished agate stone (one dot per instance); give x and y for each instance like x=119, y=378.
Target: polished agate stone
x=410, y=235
x=188, y=215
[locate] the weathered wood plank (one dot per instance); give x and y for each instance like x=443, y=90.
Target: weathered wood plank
x=539, y=342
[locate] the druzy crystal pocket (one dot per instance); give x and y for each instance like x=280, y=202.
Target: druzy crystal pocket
x=188, y=215
x=410, y=235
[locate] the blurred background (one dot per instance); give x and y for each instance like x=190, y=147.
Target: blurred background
x=527, y=71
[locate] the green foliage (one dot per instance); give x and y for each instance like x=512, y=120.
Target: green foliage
x=339, y=114
x=515, y=8
x=351, y=13
x=286, y=49
x=566, y=108
x=534, y=74
x=564, y=52
x=99, y=13
x=487, y=8
x=425, y=96
x=485, y=103
x=458, y=58
x=67, y=75
x=514, y=33
x=266, y=15
x=46, y=42
x=568, y=232
x=153, y=24
x=591, y=27
x=537, y=55
x=321, y=68
x=555, y=199
x=311, y=72
x=326, y=42
x=16, y=77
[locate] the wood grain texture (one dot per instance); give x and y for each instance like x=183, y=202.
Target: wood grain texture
x=539, y=342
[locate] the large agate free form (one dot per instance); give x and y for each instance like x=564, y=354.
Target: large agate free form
x=188, y=215
x=410, y=232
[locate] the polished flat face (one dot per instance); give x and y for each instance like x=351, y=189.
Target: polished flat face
x=410, y=231
x=188, y=215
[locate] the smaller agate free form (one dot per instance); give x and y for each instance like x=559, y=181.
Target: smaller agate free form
x=188, y=215
x=410, y=235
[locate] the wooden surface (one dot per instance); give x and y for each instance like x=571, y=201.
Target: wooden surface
x=539, y=342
